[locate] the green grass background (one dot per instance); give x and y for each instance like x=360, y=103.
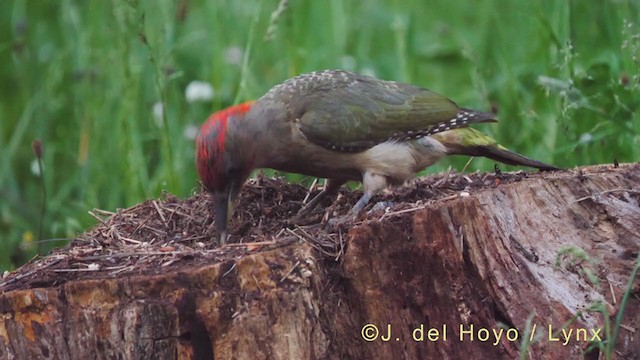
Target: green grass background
x=83, y=76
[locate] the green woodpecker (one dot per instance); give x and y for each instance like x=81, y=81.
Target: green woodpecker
x=341, y=126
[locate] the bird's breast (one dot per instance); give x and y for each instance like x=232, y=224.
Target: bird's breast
x=401, y=160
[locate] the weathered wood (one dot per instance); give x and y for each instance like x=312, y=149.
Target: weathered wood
x=484, y=261
x=490, y=258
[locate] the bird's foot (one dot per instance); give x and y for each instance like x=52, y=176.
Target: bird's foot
x=340, y=222
x=381, y=205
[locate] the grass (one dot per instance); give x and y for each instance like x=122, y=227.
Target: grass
x=83, y=77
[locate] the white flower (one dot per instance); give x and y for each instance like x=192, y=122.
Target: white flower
x=233, y=55
x=198, y=91
x=190, y=132
x=158, y=111
x=35, y=169
x=585, y=138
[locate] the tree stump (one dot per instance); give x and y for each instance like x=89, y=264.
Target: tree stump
x=461, y=266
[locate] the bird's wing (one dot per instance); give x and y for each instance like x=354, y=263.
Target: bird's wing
x=365, y=112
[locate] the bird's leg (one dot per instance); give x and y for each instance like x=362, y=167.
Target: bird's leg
x=373, y=183
x=362, y=202
x=330, y=188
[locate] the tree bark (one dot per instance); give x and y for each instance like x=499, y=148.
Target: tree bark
x=457, y=278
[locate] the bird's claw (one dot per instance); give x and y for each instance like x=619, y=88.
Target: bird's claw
x=382, y=205
x=341, y=222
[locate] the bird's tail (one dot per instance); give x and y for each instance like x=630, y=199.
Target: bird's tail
x=470, y=142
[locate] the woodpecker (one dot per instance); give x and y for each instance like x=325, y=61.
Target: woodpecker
x=341, y=126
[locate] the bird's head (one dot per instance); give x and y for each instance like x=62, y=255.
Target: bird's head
x=222, y=163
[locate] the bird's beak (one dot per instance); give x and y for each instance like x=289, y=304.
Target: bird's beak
x=223, y=207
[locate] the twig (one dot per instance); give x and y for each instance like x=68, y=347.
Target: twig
x=176, y=212
x=282, y=242
x=341, y=241
x=628, y=328
x=156, y=231
x=169, y=262
x=122, y=269
x=230, y=270
x=126, y=239
x=295, y=234
x=464, y=169
x=98, y=218
x=132, y=254
x=256, y=281
x=450, y=197
x=304, y=231
x=313, y=185
x=191, y=238
x=444, y=179
x=104, y=212
x=258, y=243
x=155, y=204
x=142, y=223
x=108, y=268
x=290, y=271
x=401, y=211
x=613, y=294
x=280, y=233
x=74, y=270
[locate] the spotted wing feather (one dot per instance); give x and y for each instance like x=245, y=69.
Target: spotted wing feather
x=349, y=112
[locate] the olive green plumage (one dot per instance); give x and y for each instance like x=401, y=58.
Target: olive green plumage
x=351, y=112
